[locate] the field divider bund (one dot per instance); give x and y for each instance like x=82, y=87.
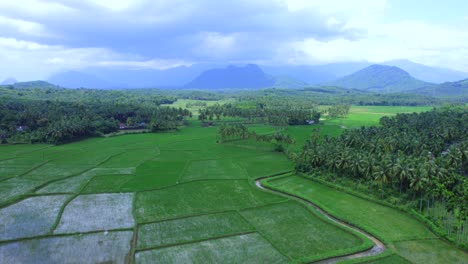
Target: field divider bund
x=195, y=241
x=52, y=235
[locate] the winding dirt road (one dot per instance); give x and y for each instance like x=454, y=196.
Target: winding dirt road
x=378, y=247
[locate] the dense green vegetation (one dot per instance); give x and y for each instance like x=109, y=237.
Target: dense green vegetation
x=39, y=112
x=408, y=237
x=415, y=157
x=188, y=196
x=189, y=193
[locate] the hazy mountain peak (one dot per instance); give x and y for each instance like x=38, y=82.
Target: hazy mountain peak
x=242, y=77
x=9, y=81
x=380, y=78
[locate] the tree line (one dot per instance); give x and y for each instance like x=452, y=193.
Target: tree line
x=276, y=114
x=417, y=157
x=59, y=122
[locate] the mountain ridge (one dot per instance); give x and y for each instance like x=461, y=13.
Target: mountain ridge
x=381, y=78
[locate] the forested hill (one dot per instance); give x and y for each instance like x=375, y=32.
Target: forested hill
x=380, y=78
x=448, y=89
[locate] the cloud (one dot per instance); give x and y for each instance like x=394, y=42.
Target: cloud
x=68, y=34
x=417, y=41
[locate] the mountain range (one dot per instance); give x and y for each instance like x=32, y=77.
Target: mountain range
x=182, y=76
x=381, y=78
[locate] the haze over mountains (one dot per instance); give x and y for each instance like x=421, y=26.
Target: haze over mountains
x=210, y=76
x=381, y=78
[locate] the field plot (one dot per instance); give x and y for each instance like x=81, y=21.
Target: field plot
x=197, y=198
x=74, y=184
x=14, y=188
x=30, y=217
x=249, y=248
x=113, y=247
x=284, y=225
x=191, y=229
x=430, y=251
x=154, y=174
x=213, y=169
x=94, y=212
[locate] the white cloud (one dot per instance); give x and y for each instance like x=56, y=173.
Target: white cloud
x=420, y=42
x=26, y=60
x=159, y=64
x=23, y=26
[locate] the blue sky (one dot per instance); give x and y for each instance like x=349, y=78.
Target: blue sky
x=39, y=38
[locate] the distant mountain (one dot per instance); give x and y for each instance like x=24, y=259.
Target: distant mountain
x=315, y=74
x=74, y=79
x=32, y=84
x=247, y=77
x=447, y=89
x=380, y=78
x=428, y=73
x=284, y=81
x=9, y=81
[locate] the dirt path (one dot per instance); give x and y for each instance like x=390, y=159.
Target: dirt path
x=378, y=247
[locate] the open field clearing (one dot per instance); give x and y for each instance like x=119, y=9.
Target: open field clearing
x=358, y=116
x=249, y=248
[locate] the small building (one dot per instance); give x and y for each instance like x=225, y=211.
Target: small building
x=310, y=122
x=21, y=128
x=122, y=126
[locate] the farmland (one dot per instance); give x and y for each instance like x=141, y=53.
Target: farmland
x=180, y=196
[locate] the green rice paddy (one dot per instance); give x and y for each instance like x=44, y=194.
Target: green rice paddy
x=182, y=197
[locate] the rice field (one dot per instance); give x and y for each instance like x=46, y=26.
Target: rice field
x=181, y=197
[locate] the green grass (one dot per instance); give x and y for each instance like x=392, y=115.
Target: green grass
x=199, y=197
x=191, y=229
x=411, y=238
x=213, y=169
x=249, y=248
x=286, y=224
x=430, y=251
x=358, y=116
x=193, y=198
x=385, y=222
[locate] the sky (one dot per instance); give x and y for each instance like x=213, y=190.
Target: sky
x=39, y=38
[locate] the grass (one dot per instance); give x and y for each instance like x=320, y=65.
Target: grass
x=385, y=222
x=198, y=198
x=186, y=197
x=358, y=116
x=15, y=220
x=430, y=251
x=191, y=229
x=275, y=223
x=249, y=248
x=87, y=248
x=96, y=212
x=412, y=239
